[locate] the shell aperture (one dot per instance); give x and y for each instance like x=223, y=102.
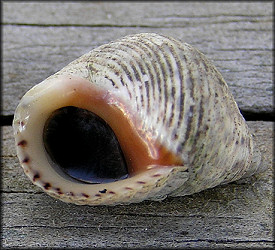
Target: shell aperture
x=165, y=120
x=84, y=146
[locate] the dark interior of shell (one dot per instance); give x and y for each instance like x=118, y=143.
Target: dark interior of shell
x=84, y=146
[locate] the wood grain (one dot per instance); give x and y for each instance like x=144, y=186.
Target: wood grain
x=38, y=41
x=171, y=14
x=234, y=215
x=39, y=38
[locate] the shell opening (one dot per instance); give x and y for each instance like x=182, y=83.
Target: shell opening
x=53, y=126
x=84, y=146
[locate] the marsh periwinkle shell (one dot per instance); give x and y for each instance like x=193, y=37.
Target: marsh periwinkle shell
x=143, y=117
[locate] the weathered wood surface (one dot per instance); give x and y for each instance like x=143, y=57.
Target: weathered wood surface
x=234, y=215
x=40, y=38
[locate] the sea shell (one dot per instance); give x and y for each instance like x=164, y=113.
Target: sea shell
x=143, y=117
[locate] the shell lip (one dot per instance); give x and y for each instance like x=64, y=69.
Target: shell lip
x=54, y=93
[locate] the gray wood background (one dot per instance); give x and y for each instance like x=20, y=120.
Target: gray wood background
x=39, y=38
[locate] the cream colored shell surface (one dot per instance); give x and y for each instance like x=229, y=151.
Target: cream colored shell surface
x=179, y=99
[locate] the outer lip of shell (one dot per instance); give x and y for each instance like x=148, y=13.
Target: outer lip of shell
x=150, y=177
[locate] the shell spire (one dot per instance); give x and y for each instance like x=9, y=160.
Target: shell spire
x=143, y=117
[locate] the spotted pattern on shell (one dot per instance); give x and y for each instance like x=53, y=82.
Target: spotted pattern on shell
x=178, y=127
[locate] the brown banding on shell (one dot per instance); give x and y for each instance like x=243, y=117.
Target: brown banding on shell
x=176, y=122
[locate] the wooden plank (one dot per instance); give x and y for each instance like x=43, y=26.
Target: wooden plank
x=239, y=214
x=171, y=14
x=236, y=36
x=47, y=225
x=41, y=38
